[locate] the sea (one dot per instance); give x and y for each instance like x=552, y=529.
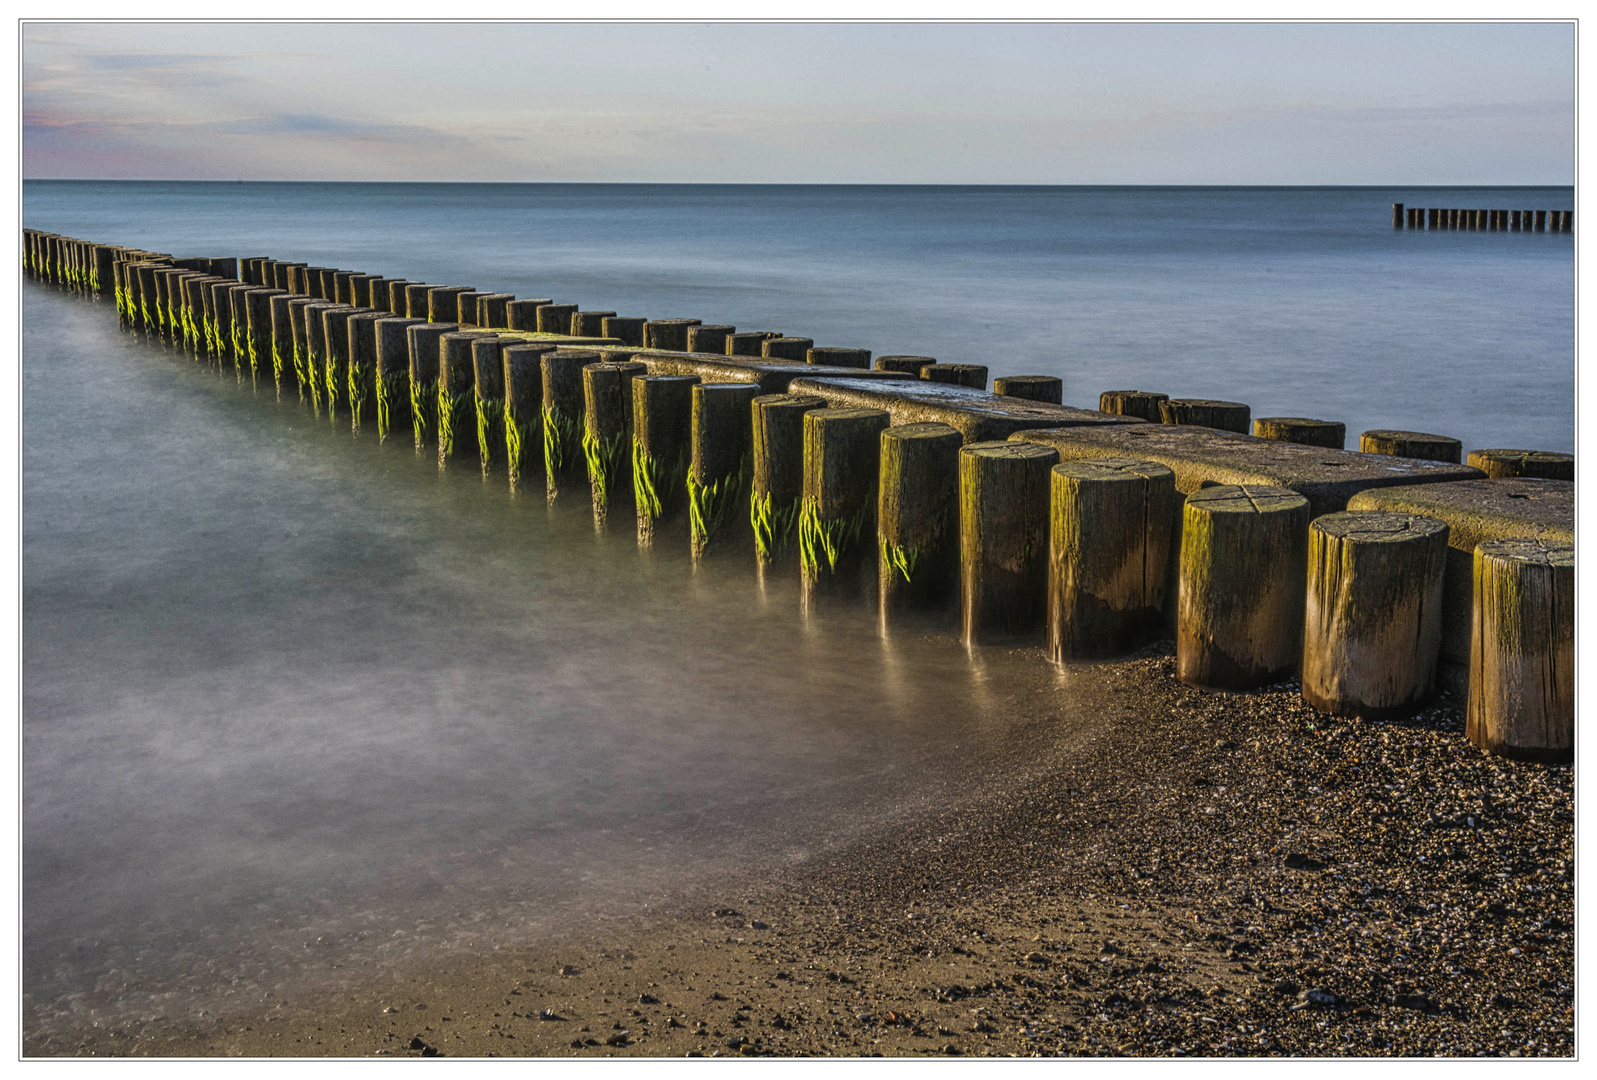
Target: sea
x=300, y=709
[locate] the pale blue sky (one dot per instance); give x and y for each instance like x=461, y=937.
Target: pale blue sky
x=1402, y=104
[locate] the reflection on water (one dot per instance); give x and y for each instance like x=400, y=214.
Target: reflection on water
x=297, y=704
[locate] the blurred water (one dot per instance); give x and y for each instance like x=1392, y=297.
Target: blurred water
x=1298, y=301
x=297, y=705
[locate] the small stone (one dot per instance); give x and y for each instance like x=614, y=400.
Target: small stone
x=648, y=999
x=548, y=1014
x=1036, y=958
x=756, y=924
x=618, y=1039
x=1316, y=997
x=568, y=969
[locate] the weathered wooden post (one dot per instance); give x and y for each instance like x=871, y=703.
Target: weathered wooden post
x=363, y=366
x=1541, y=221
x=393, y=375
x=457, y=397
x=607, y=435
x=1048, y=388
x=443, y=305
x=555, y=318
x=1522, y=650
x=523, y=314
x=1003, y=540
x=625, y=329
x=917, y=521
x=1513, y=221
x=589, y=323
x=360, y=291
x=837, y=519
x=416, y=300
x=777, y=489
x=670, y=334
x=1372, y=628
x=466, y=307
x=749, y=342
x=718, y=471
x=1542, y=464
x=282, y=335
x=487, y=356
x=709, y=339
x=833, y=356
x=1397, y=215
x=910, y=365
x=523, y=364
x=425, y=339
x=399, y=297
x=335, y=342
x=316, y=350
x=1225, y=415
x=1301, y=430
x=491, y=310
x=564, y=412
x=1244, y=563
x=1138, y=403
x=258, y=315
x=239, y=324
x=1411, y=444
x=971, y=375
x=298, y=348
x=787, y=348
x=342, y=293
x=1112, y=532
x=1432, y=218
x=377, y=295
x=662, y=420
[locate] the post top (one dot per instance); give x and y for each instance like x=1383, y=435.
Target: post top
x=1246, y=499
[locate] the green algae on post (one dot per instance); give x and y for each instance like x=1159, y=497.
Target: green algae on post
x=662, y=417
x=523, y=374
x=488, y=362
x=721, y=458
x=917, y=519
x=607, y=432
x=842, y=453
x=564, y=408
x=457, y=394
x=777, y=482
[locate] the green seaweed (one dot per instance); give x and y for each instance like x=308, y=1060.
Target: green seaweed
x=389, y=393
x=449, y=407
x=773, y=525
x=651, y=478
x=423, y=402
x=332, y=381
x=514, y=440
x=900, y=559
x=313, y=364
x=358, y=395
x=832, y=538
x=559, y=439
x=490, y=411
x=708, y=503
x=279, y=361
x=604, y=457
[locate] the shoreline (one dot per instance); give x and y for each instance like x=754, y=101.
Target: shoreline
x=1196, y=873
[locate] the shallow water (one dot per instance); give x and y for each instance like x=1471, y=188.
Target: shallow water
x=297, y=705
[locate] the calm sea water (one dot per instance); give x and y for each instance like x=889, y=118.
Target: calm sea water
x=298, y=707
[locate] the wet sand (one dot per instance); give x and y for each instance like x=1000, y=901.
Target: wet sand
x=1199, y=874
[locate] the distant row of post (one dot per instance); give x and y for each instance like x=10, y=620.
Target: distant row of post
x=1433, y=218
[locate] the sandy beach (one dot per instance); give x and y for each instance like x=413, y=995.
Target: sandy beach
x=1200, y=874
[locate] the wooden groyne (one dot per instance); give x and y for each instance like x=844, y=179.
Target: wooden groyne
x=1433, y=219
x=1375, y=574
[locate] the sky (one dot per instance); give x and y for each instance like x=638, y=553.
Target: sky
x=935, y=103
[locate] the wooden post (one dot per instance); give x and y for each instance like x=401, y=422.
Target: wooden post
x=748, y=343
x=607, y=435
x=589, y=323
x=523, y=314
x=335, y=343
x=709, y=339
x=360, y=291
x=1047, y=388
x=837, y=519
x=971, y=375
x=457, y=397
x=1411, y=444
x=1522, y=650
x=443, y=303
x=556, y=319
x=1003, y=540
x=363, y=367
x=719, y=470
x=416, y=301
x=393, y=375
x=316, y=351
x=787, y=348
x=1372, y=629
x=1113, y=528
x=398, y=298
x=258, y=314
x=282, y=335
x=625, y=329
x=466, y=307
x=524, y=409
x=1244, y=556
x=1225, y=415
x=1542, y=464
x=833, y=356
x=1397, y=215
x=342, y=292
x=491, y=310
x=1298, y=429
x=917, y=521
x=297, y=308
x=778, y=478
x=239, y=326
x=377, y=295
x=424, y=341
x=563, y=412
x=662, y=421
x=1432, y=218
x=669, y=334
x=488, y=360
x=910, y=365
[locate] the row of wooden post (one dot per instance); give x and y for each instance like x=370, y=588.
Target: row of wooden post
x=1433, y=218
x=1093, y=558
